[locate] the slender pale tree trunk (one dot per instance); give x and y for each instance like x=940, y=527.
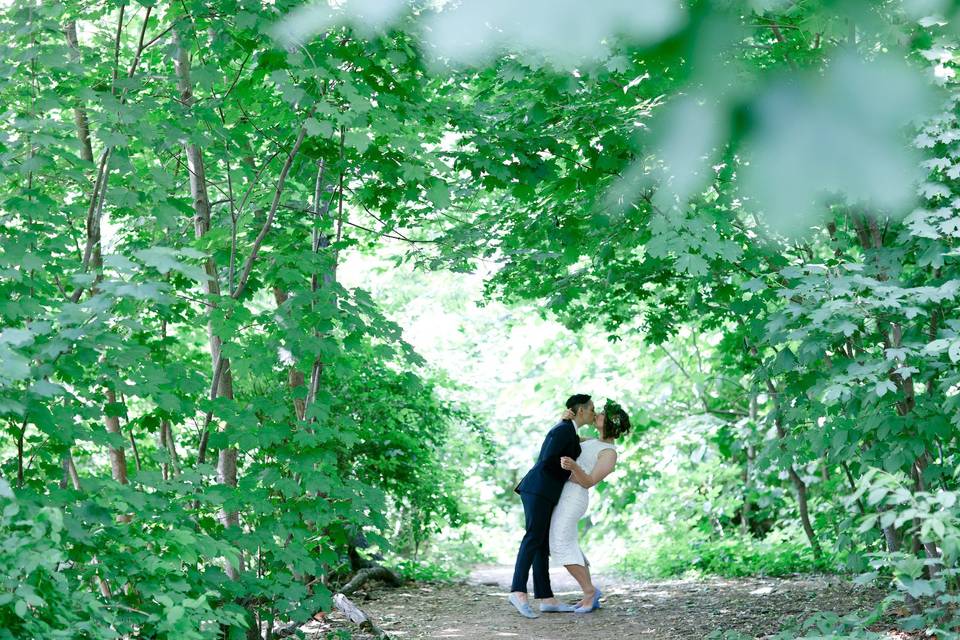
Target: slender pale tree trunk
x=319, y=242
x=227, y=457
x=92, y=255
x=749, y=455
x=929, y=548
x=871, y=238
x=118, y=458
x=70, y=471
x=168, y=443
x=295, y=378
x=79, y=112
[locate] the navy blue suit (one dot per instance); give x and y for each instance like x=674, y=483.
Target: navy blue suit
x=540, y=491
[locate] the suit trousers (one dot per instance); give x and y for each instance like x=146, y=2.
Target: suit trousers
x=535, y=547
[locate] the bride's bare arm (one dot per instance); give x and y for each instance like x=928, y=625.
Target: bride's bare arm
x=606, y=461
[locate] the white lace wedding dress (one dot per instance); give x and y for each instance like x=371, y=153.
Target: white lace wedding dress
x=564, y=538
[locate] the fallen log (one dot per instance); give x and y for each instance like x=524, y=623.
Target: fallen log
x=371, y=573
x=357, y=616
x=343, y=604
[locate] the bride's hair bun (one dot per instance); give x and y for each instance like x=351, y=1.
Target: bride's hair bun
x=616, y=423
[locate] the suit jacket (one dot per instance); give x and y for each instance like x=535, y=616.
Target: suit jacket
x=547, y=477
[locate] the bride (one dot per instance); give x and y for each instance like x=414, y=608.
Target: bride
x=597, y=459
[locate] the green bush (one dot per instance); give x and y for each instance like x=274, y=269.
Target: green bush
x=427, y=571
x=445, y=558
x=36, y=600
x=46, y=592
x=692, y=554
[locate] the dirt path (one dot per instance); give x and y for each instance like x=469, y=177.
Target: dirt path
x=671, y=609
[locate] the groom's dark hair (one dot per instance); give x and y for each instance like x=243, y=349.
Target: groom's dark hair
x=574, y=402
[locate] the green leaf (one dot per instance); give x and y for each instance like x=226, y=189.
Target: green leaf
x=13, y=366
x=165, y=259
x=866, y=578
x=16, y=337
x=358, y=140
x=916, y=588
x=692, y=264
x=321, y=128
x=46, y=389
x=618, y=64
x=884, y=386
x=954, y=351
x=174, y=614
x=537, y=113
x=869, y=522
x=439, y=195
x=876, y=495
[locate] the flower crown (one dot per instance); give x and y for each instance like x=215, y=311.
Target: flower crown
x=614, y=416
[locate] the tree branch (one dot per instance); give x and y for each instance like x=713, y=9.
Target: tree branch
x=245, y=274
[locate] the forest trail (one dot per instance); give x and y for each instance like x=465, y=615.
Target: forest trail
x=666, y=609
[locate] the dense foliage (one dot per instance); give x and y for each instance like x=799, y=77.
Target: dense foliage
x=202, y=425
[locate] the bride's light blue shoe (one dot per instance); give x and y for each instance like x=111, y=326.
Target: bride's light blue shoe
x=557, y=608
x=522, y=607
x=593, y=605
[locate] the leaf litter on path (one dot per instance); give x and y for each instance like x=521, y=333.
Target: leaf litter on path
x=689, y=609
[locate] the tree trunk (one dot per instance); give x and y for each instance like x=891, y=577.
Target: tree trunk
x=92, y=251
x=133, y=441
x=320, y=240
x=746, y=508
x=904, y=407
x=891, y=540
x=371, y=573
x=295, y=378
x=870, y=236
x=70, y=470
x=801, y=489
x=20, y=436
x=227, y=458
x=929, y=548
x=165, y=467
x=79, y=112
x=748, y=470
x=798, y=484
x=168, y=444
x=118, y=458
x=853, y=485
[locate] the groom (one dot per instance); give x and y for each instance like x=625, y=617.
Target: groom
x=539, y=491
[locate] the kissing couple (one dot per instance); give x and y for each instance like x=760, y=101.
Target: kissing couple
x=555, y=494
